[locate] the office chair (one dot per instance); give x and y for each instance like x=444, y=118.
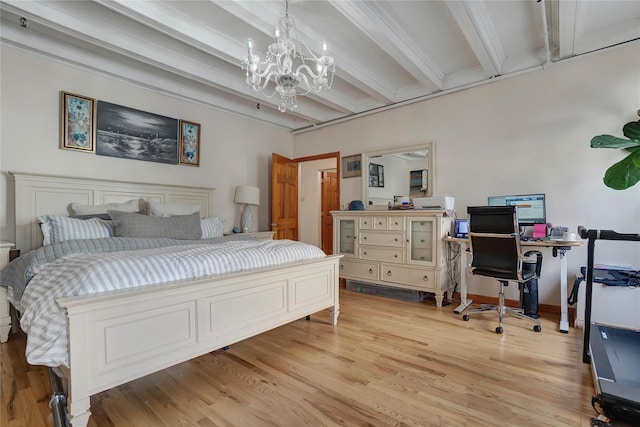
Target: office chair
x=495, y=249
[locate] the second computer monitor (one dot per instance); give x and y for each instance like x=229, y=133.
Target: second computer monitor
x=531, y=208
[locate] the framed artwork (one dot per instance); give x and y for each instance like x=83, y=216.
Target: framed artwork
x=77, y=122
x=189, y=143
x=128, y=133
x=376, y=175
x=351, y=166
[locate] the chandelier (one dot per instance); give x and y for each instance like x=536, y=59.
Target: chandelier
x=292, y=66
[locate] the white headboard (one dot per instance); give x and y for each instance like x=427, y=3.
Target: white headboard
x=37, y=195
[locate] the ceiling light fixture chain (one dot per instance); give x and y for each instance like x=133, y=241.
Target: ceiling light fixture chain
x=288, y=63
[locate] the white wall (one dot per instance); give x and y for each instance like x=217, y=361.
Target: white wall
x=234, y=150
x=525, y=134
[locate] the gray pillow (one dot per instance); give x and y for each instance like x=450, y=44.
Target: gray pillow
x=129, y=224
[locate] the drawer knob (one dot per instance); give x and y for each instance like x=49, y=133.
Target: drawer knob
x=371, y=271
x=395, y=240
x=389, y=273
x=364, y=237
x=425, y=278
x=364, y=253
x=396, y=223
x=379, y=223
x=342, y=266
x=396, y=255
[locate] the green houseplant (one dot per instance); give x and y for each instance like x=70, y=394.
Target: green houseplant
x=625, y=173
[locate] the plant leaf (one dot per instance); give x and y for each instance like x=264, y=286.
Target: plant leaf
x=610, y=141
x=632, y=130
x=625, y=173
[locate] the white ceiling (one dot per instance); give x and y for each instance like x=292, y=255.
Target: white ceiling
x=386, y=52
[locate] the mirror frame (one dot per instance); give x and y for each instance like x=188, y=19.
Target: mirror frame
x=431, y=164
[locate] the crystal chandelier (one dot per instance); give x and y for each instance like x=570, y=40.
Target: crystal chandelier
x=292, y=66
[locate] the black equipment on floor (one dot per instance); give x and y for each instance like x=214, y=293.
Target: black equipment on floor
x=613, y=352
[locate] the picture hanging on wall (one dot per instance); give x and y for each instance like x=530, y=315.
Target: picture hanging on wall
x=77, y=126
x=189, y=143
x=133, y=134
x=351, y=166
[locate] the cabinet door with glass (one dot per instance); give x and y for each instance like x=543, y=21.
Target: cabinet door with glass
x=421, y=241
x=346, y=242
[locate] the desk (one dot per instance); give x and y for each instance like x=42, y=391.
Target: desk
x=558, y=249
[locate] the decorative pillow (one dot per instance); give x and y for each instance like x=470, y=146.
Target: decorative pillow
x=170, y=209
x=127, y=224
x=104, y=216
x=130, y=206
x=212, y=226
x=58, y=228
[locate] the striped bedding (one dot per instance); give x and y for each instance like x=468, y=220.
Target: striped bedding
x=88, y=273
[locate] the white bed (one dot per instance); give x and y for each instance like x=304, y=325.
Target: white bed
x=119, y=336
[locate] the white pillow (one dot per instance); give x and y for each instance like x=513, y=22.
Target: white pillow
x=170, y=209
x=130, y=206
x=57, y=228
x=212, y=226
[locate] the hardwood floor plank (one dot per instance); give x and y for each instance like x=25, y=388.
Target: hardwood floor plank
x=387, y=362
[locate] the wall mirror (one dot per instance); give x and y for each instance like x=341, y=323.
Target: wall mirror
x=408, y=172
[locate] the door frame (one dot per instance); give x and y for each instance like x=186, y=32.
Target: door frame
x=335, y=155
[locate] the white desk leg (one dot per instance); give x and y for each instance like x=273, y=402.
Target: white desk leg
x=564, y=306
x=464, y=268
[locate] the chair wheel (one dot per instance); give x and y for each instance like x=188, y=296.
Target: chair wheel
x=499, y=330
x=537, y=328
x=465, y=317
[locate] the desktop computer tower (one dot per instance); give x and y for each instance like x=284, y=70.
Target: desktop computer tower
x=529, y=292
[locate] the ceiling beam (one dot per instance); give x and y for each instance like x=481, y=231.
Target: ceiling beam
x=392, y=39
x=475, y=23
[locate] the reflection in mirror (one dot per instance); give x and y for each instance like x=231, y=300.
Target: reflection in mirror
x=398, y=175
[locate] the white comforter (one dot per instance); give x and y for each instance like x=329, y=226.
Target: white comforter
x=80, y=274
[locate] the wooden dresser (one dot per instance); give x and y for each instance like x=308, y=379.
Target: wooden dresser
x=400, y=249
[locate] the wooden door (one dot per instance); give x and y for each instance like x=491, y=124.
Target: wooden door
x=284, y=197
x=330, y=202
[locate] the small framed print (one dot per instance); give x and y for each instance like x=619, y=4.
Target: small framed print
x=189, y=146
x=77, y=122
x=351, y=166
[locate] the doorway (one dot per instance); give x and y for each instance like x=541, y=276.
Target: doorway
x=305, y=216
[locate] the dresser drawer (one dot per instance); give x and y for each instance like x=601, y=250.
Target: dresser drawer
x=395, y=223
x=395, y=239
x=363, y=270
x=381, y=254
x=409, y=276
x=366, y=223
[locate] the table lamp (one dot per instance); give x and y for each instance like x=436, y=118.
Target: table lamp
x=249, y=196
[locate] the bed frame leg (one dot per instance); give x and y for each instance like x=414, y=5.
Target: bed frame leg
x=333, y=314
x=79, y=412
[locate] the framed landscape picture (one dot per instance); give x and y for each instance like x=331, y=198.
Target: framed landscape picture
x=351, y=166
x=77, y=122
x=189, y=143
x=133, y=134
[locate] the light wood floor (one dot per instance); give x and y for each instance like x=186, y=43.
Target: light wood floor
x=387, y=362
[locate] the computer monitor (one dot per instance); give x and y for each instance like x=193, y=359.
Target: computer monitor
x=531, y=208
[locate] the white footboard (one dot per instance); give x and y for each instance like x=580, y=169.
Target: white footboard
x=118, y=337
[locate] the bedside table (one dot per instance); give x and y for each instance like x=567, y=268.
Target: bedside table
x=259, y=235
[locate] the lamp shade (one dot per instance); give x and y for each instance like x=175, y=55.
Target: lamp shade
x=247, y=194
